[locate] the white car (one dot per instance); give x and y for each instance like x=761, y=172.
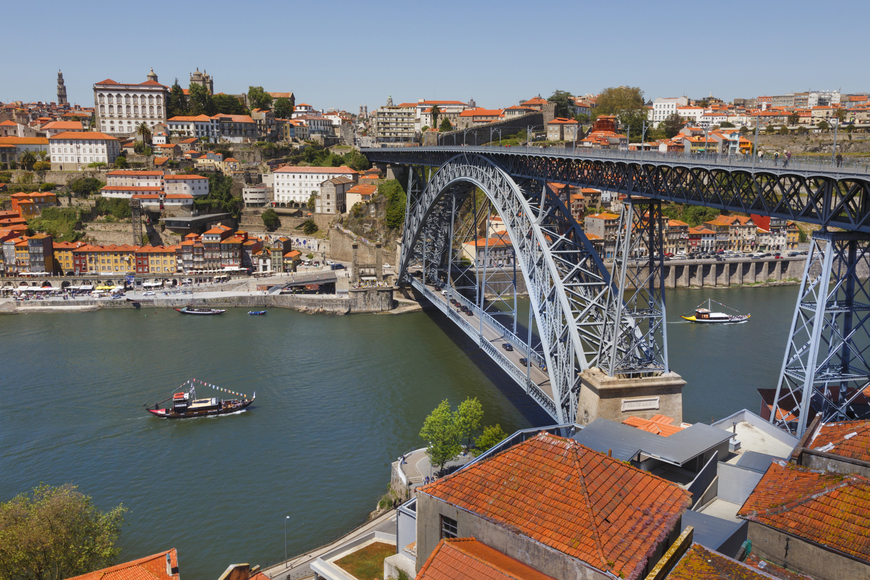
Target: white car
x=149, y=293
x=387, y=265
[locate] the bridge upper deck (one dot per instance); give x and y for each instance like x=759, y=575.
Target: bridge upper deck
x=802, y=190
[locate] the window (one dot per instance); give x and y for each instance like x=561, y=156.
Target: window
x=448, y=527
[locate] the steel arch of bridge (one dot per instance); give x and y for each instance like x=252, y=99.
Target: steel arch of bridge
x=567, y=282
x=806, y=193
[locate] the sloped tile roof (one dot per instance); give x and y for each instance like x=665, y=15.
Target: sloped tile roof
x=699, y=563
x=147, y=568
x=466, y=558
x=828, y=509
x=573, y=499
x=847, y=438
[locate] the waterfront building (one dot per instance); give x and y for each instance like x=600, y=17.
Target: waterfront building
x=701, y=239
x=211, y=244
x=620, y=523
x=604, y=225
x=190, y=254
x=74, y=150
x=735, y=233
x=279, y=247
x=155, y=260
x=40, y=253
x=127, y=192
x=813, y=522
x=295, y=184
x=121, y=108
x=495, y=251
x=105, y=260
x=63, y=256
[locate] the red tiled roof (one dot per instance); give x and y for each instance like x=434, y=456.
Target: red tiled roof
x=363, y=189
x=147, y=568
x=124, y=172
x=575, y=500
x=847, y=438
x=699, y=563
x=466, y=558
x=83, y=136
x=298, y=169
x=658, y=425
x=828, y=509
x=185, y=177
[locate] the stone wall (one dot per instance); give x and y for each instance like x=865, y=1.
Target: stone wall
x=59, y=177
x=340, y=248
x=481, y=135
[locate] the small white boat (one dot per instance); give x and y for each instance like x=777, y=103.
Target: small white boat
x=707, y=316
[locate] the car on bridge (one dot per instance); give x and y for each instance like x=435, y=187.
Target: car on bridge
x=524, y=361
x=507, y=346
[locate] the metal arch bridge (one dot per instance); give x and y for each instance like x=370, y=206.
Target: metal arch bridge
x=583, y=317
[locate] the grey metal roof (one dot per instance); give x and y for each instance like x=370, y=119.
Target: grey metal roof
x=625, y=442
x=755, y=461
x=710, y=531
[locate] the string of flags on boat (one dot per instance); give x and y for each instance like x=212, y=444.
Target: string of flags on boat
x=216, y=388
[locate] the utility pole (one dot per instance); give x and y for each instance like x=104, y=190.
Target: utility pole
x=834, y=151
x=755, y=144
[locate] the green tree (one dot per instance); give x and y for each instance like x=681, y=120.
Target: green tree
x=176, y=104
x=27, y=160
x=121, y=162
x=309, y=227
x=42, y=166
x=671, y=125
x=200, y=101
x=283, y=108
x=445, y=125
x=613, y=100
x=258, y=98
x=271, y=219
x=824, y=126
x=726, y=125
x=55, y=533
x=564, y=103
x=228, y=105
x=395, y=195
x=440, y=433
x=794, y=118
x=468, y=417
x=435, y=112
x=85, y=186
x=144, y=131
x=840, y=115
x=357, y=161
x=491, y=436
x=312, y=201
x=632, y=122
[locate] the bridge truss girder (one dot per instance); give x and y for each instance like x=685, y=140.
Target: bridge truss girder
x=567, y=282
x=826, y=368
x=635, y=341
x=826, y=198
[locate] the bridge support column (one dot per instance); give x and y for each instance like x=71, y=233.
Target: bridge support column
x=616, y=398
x=825, y=369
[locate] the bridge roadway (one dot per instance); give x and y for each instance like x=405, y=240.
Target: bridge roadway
x=807, y=191
x=491, y=336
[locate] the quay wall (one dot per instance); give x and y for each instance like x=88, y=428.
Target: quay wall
x=358, y=300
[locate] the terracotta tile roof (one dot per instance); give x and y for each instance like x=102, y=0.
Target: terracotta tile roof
x=147, y=568
x=124, y=172
x=184, y=177
x=604, y=216
x=828, y=509
x=699, y=563
x=847, y=438
x=774, y=571
x=298, y=169
x=466, y=558
x=658, y=425
x=564, y=495
x=24, y=140
x=83, y=136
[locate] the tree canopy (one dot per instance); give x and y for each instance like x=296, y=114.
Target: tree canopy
x=395, y=195
x=445, y=125
x=309, y=227
x=671, y=125
x=200, y=102
x=258, y=98
x=468, y=417
x=228, y=105
x=176, y=104
x=440, y=432
x=27, y=160
x=54, y=533
x=271, y=219
x=85, y=186
x=435, y=112
x=283, y=108
x=564, y=102
x=220, y=197
x=491, y=436
x=613, y=100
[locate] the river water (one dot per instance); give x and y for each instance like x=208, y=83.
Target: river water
x=338, y=398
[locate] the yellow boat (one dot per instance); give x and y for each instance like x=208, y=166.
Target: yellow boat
x=707, y=316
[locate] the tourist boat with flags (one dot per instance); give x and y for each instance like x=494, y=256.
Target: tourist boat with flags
x=185, y=405
x=201, y=311
x=707, y=316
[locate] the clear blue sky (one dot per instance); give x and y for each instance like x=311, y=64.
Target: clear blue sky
x=345, y=54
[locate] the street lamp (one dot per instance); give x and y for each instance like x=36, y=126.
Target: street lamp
x=285, y=540
x=836, y=129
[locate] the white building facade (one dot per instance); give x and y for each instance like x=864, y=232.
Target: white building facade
x=202, y=126
x=664, y=107
x=120, y=108
x=73, y=151
x=130, y=178
x=294, y=184
x=195, y=185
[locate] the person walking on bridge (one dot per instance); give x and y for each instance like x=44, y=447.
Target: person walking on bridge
x=776, y=158
x=786, y=160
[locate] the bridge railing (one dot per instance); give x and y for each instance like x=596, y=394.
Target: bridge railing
x=711, y=160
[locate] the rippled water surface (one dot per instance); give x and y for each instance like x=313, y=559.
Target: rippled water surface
x=338, y=398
